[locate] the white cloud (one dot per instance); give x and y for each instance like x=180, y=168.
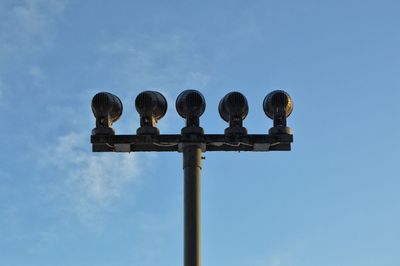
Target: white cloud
x=28, y=25
x=36, y=72
x=162, y=61
x=27, y=28
x=275, y=261
x=34, y=16
x=91, y=182
x=197, y=79
x=37, y=76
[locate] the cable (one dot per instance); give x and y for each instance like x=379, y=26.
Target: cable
x=164, y=145
x=274, y=144
x=110, y=146
x=246, y=144
x=219, y=144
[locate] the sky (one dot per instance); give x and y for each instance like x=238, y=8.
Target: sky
x=333, y=200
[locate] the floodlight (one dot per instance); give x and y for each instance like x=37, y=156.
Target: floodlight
x=151, y=106
x=278, y=105
x=107, y=108
x=233, y=108
x=190, y=105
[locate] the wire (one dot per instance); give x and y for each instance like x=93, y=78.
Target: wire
x=110, y=146
x=233, y=145
x=274, y=144
x=246, y=144
x=219, y=144
x=164, y=145
x=229, y=144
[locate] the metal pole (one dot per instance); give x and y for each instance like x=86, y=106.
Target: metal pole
x=192, y=170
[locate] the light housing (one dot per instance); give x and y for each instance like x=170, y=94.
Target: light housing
x=278, y=105
x=233, y=108
x=151, y=106
x=107, y=108
x=190, y=104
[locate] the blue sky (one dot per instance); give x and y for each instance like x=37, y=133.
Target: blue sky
x=333, y=200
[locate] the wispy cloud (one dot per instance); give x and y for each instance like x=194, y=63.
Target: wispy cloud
x=35, y=16
x=27, y=30
x=27, y=25
x=275, y=261
x=90, y=182
x=166, y=60
x=276, y=256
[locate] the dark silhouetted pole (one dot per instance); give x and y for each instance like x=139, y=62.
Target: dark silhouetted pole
x=192, y=171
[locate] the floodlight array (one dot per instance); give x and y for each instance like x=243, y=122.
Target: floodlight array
x=190, y=105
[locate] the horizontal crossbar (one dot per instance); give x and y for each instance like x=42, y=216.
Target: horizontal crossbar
x=209, y=142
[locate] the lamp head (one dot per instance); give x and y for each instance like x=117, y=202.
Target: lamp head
x=233, y=108
x=278, y=105
x=151, y=106
x=107, y=108
x=190, y=105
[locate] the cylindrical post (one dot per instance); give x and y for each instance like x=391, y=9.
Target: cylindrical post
x=192, y=170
